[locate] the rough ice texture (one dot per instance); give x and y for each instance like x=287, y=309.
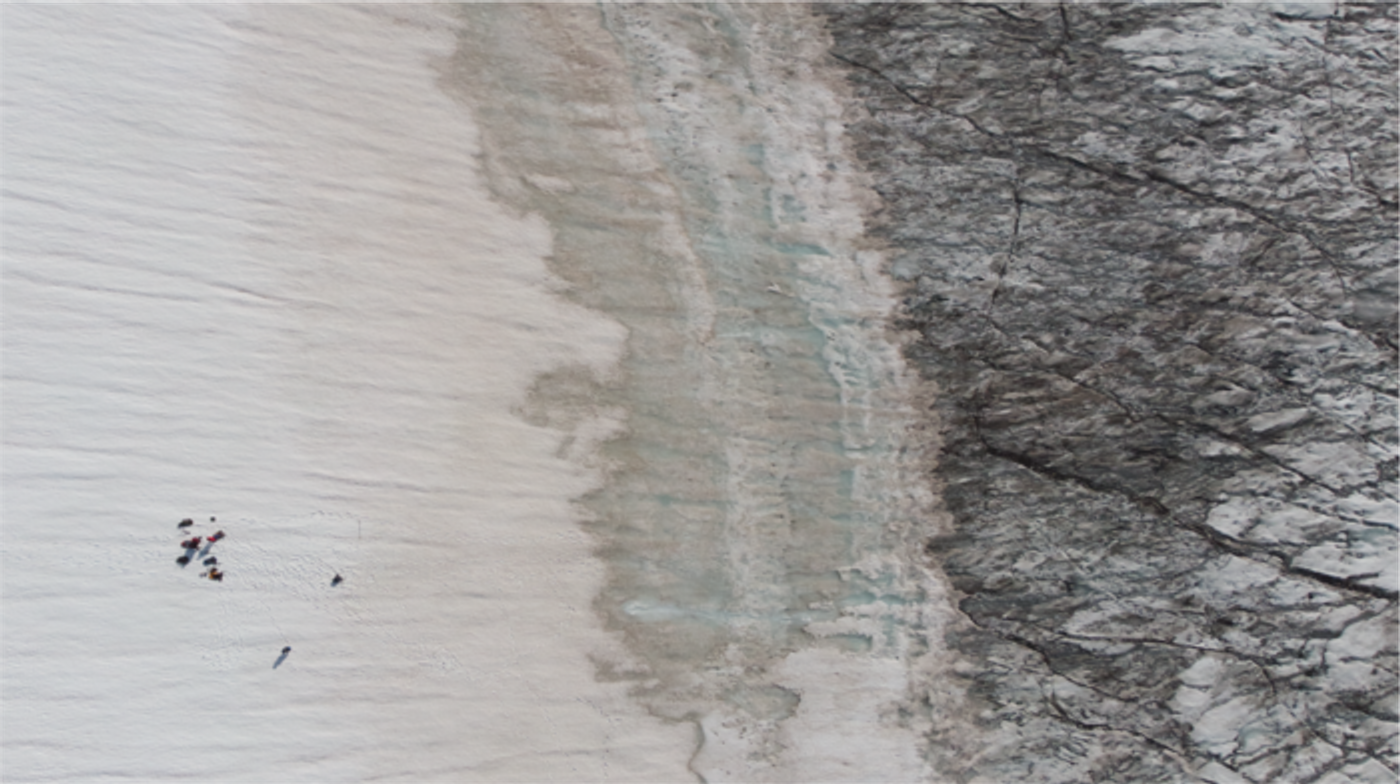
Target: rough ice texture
x=1151, y=254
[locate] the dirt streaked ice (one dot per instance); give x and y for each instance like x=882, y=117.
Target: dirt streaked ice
x=756, y=517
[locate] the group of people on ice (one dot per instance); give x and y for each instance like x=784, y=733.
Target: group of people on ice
x=192, y=545
x=192, y=551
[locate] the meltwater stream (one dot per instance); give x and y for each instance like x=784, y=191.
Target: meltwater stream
x=758, y=435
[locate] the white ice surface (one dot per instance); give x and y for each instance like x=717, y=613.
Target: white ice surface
x=251, y=270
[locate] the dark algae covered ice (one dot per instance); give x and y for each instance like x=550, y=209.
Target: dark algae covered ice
x=1150, y=254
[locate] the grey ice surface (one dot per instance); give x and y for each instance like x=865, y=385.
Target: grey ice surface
x=1151, y=257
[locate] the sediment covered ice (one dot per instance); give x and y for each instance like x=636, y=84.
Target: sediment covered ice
x=755, y=519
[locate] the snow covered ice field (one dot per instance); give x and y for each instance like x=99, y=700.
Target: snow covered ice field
x=251, y=271
x=263, y=263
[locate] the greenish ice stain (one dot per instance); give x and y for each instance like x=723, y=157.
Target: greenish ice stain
x=799, y=249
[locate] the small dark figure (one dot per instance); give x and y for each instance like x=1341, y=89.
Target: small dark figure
x=286, y=650
x=217, y=536
x=185, y=523
x=337, y=580
x=215, y=574
x=182, y=560
x=210, y=561
x=211, y=519
x=192, y=544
